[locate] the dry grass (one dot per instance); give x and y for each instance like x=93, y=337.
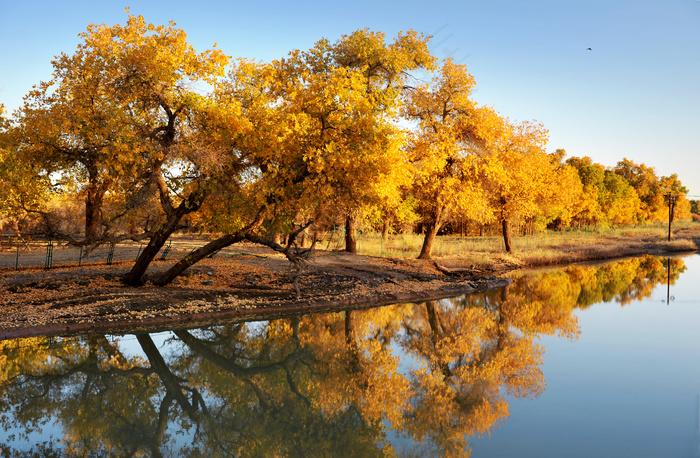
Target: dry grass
x=549, y=248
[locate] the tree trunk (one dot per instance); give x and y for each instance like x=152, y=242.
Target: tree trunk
x=135, y=275
x=385, y=230
x=505, y=228
x=94, y=198
x=211, y=247
x=189, y=205
x=196, y=256
x=351, y=233
x=430, y=234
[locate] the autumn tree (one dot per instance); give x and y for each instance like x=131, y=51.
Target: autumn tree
x=645, y=182
x=153, y=74
x=695, y=206
x=441, y=149
x=671, y=185
x=607, y=196
x=318, y=121
x=520, y=179
x=24, y=186
x=619, y=201
x=73, y=125
x=346, y=95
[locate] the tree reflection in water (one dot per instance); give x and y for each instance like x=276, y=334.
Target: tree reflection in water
x=314, y=385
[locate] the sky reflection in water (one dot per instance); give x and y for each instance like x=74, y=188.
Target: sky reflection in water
x=620, y=367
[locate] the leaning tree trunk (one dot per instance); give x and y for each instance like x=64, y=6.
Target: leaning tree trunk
x=196, y=256
x=135, y=275
x=505, y=228
x=430, y=235
x=210, y=248
x=171, y=224
x=351, y=233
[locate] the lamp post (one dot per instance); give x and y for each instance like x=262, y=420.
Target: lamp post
x=671, y=207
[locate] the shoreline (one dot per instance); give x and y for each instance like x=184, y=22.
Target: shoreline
x=91, y=299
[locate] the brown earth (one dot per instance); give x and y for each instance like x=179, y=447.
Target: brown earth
x=92, y=298
x=259, y=284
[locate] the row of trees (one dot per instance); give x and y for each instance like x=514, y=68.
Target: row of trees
x=154, y=137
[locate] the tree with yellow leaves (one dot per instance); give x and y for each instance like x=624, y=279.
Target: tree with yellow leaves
x=24, y=186
x=442, y=148
x=345, y=97
x=520, y=179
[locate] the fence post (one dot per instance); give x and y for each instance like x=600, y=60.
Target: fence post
x=166, y=251
x=110, y=254
x=330, y=239
x=80, y=256
x=49, y=255
x=17, y=258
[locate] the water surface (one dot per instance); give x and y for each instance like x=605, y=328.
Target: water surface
x=582, y=361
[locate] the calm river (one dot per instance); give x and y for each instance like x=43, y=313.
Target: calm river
x=582, y=361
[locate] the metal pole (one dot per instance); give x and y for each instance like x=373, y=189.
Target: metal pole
x=49, y=255
x=110, y=254
x=671, y=206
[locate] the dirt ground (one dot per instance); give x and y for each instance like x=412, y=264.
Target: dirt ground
x=252, y=282
x=67, y=300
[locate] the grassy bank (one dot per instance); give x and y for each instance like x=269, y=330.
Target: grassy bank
x=548, y=248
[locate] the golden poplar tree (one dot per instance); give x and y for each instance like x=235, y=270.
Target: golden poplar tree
x=442, y=149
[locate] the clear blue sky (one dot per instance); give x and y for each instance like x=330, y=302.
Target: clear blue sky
x=636, y=94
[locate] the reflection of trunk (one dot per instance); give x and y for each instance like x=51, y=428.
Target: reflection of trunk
x=433, y=320
x=162, y=425
x=436, y=332
x=501, y=322
x=349, y=328
x=351, y=233
x=244, y=373
x=351, y=340
x=170, y=380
